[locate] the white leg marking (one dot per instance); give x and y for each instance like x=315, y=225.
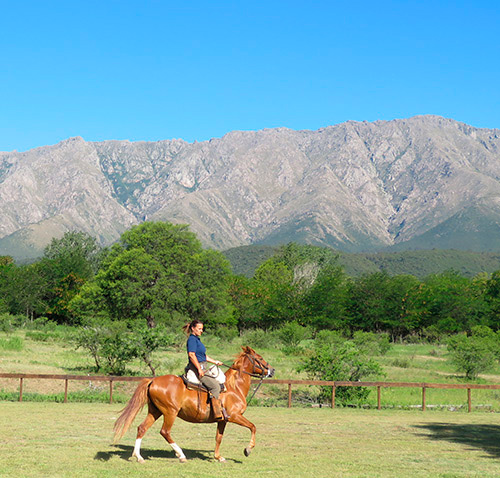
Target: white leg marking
x=137, y=450
x=178, y=451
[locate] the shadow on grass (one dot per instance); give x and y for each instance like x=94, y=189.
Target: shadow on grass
x=125, y=452
x=483, y=437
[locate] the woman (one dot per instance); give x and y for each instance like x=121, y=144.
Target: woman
x=198, y=358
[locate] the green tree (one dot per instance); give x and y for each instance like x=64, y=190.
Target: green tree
x=68, y=262
x=375, y=303
x=159, y=270
x=448, y=301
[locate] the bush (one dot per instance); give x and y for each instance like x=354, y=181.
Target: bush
x=258, y=339
x=343, y=363
x=401, y=362
x=42, y=323
x=329, y=337
x=227, y=334
x=110, y=347
x=292, y=334
x=12, y=343
x=471, y=355
x=370, y=343
x=6, y=323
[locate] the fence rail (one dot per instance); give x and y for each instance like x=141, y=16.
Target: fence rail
x=334, y=384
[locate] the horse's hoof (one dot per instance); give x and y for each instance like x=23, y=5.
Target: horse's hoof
x=183, y=460
x=140, y=459
x=247, y=451
x=221, y=459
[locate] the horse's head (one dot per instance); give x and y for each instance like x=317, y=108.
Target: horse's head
x=259, y=366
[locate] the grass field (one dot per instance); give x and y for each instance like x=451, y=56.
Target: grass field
x=74, y=440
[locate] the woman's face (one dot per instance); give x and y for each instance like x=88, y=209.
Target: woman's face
x=197, y=330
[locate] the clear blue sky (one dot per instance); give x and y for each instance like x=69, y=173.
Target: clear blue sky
x=151, y=70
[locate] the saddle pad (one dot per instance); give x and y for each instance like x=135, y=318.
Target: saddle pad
x=213, y=371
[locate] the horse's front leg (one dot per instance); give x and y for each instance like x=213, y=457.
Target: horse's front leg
x=241, y=420
x=221, y=426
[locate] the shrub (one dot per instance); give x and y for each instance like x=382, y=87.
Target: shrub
x=371, y=343
x=12, y=343
x=471, y=355
x=227, y=334
x=292, y=333
x=329, y=337
x=344, y=363
x=6, y=323
x=258, y=338
x=401, y=362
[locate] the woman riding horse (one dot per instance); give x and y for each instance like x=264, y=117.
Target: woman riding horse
x=168, y=396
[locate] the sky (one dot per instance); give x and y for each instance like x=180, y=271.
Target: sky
x=153, y=70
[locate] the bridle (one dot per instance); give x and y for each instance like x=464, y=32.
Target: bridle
x=265, y=368
x=266, y=371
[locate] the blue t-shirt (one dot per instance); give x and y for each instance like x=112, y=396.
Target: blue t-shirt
x=195, y=345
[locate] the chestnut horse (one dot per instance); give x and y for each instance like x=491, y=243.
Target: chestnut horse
x=168, y=396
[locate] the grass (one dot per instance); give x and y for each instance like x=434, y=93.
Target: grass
x=74, y=440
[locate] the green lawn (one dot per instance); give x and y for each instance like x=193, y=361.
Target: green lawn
x=74, y=440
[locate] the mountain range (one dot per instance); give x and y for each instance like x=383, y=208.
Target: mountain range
x=419, y=183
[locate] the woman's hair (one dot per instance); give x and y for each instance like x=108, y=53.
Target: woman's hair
x=190, y=326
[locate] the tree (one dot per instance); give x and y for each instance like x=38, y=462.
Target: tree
x=449, y=302
x=375, y=302
x=159, y=270
x=67, y=264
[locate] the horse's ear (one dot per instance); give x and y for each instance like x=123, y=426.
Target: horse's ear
x=247, y=349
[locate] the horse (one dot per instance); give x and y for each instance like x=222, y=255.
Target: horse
x=169, y=396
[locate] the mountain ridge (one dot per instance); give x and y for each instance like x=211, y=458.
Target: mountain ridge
x=353, y=186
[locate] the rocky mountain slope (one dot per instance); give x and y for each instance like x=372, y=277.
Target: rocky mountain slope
x=421, y=182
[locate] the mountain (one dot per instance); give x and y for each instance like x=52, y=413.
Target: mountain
x=417, y=183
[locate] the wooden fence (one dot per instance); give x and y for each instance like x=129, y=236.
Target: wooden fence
x=334, y=384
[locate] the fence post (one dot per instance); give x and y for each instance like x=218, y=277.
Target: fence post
x=66, y=390
x=378, y=397
x=111, y=391
x=333, y=396
x=21, y=389
x=469, y=400
x=289, y=395
x=423, y=399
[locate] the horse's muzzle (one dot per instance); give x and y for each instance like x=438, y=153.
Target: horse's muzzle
x=270, y=372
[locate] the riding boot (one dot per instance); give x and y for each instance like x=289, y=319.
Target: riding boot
x=216, y=407
x=219, y=411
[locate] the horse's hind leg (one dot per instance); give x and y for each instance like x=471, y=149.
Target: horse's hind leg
x=153, y=415
x=168, y=421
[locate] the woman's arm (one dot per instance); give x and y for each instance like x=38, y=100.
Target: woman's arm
x=211, y=360
x=194, y=361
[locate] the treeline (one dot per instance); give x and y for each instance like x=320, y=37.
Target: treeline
x=159, y=274
x=421, y=263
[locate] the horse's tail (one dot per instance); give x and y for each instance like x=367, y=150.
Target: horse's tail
x=133, y=407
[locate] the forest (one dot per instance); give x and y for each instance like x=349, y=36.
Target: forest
x=158, y=276
x=158, y=273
